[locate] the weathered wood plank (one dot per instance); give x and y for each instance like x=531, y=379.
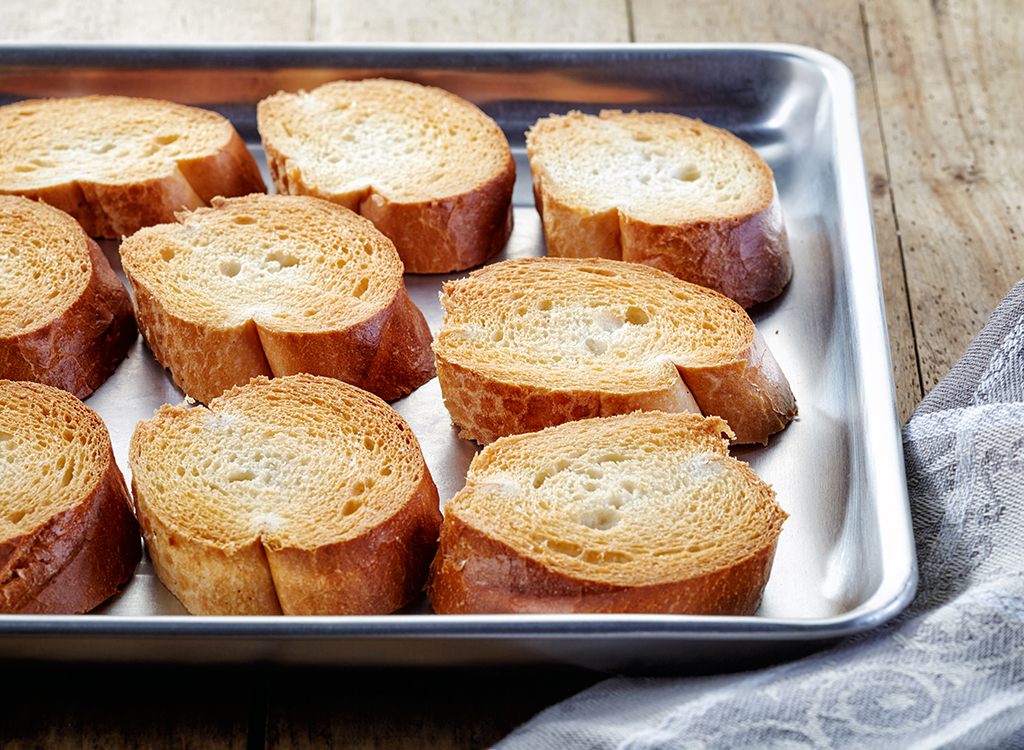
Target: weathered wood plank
x=481, y=21
x=835, y=27
x=156, y=20
x=383, y=709
x=125, y=707
x=950, y=75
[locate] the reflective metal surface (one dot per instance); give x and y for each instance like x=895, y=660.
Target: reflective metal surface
x=845, y=561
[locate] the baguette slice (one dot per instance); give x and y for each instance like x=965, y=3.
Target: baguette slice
x=668, y=191
x=120, y=163
x=65, y=318
x=276, y=285
x=645, y=512
x=429, y=169
x=68, y=537
x=530, y=343
x=300, y=495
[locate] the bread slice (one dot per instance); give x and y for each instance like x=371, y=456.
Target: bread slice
x=65, y=318
x=644, y=512
x=120, y=163
x=68, y=537
x=300, y=495
x=429, y=169
x=276, y=285
x=665, y=190
x=531, y=343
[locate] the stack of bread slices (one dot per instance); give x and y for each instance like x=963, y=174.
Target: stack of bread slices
x=606, y=381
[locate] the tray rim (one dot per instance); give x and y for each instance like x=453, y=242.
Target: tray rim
x=897, y=587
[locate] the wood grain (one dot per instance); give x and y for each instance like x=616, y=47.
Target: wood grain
x=949, y=76
x=156, y=20
x=479, y=21
x=410, y=708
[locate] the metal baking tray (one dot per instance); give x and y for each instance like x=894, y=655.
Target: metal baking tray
x=845, y=561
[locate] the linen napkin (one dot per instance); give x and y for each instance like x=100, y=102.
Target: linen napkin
x=947, y=672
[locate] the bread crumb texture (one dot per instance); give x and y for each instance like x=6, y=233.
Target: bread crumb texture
x=68, y=537
x=430, y=169
x=65, y=318
x=44, y=265
x=657, y=188
x=118, y=163
x=275, y=285
x=301, y=495
x=530, y=343
x=639, y=512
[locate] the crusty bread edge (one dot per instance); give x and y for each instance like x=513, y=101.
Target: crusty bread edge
x=79, y=350
x=462, y=581
x=377, y=572
x=509, y=408
x=745, y=258
x=77, y=559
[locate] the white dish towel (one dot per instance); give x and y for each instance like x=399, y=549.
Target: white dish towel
x=948, y=672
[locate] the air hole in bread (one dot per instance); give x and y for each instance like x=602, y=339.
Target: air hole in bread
x=16, y=516
x=167, y=253
x=241, y=475
x=598, y=271
x=24, y=168
x=545, y=305
x=5, y=436
x=637, y=316
x=283, y=259
x=689, y=173
x=350, y=507
x=563, y=548
x=165, y=140
x=230, y=268
x=69, y=475
x=368, y=443
x=243, y=220
x=601, y=519
x=361, y=287
x=596, y=346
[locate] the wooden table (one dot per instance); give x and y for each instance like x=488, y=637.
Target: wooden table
x=940, y=87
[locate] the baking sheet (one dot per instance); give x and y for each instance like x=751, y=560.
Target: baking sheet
x=845, y=561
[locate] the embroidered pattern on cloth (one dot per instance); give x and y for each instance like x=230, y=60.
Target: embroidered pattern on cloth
x=948, y=672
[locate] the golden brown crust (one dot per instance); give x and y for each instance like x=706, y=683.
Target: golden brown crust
x=331, y=309
x=737, y=245
x=445, y=202
x=531, y=343
x=78, y=554
x=474, y=574
x=641, y=513
x=77, y=345
x=297, y=495
x=117, y=164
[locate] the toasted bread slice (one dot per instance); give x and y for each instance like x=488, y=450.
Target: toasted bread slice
x=68, y=537
x=645, y=512
x=531, y=343
x=121, y=163
x=668, y=191
x=429, y=169
x=276, y=285
x=300, y=495
x=65, y=318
